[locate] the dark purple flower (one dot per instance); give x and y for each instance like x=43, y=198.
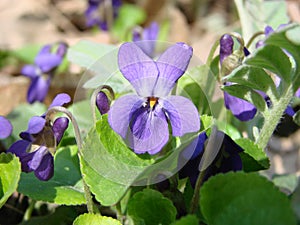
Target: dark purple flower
x=39, y=141
x=42, y=71
x=240, y=108
x=102, y=102
x=142, y=119
x=5, y=127
x=99, y=12
x=228, y=159
x=146, y=39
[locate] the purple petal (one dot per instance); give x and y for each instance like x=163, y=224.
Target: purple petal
x=37, y=157
x=59, y=127
x=172, y=64
x=240, y=108
x=38, y=89
x=151, y=32
x=61, y=49
x=5, y=127
x=60, y=100
x=149, y=131
x=226, y=46
x=183, y=115
x=119, y=116
x=47, y=62
x=19, y=148
x=289, y=111
x=196, y=147
x=102, y=102
x=46, y=49
x=46, y=169
x=35, y=125
x=30, y=71
x=297, y=94
x=268, y=30
x=231, y=163
x=138, y=68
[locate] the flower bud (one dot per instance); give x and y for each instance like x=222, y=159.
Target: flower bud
x=226, y=47
x=102, y=102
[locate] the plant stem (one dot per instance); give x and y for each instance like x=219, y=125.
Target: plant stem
x=29, y=210
x=212, y=52
x=87, y=193
x=272, y=117
x=196, y=195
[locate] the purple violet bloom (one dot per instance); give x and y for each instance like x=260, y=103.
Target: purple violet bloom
x=146, y=39
x=5, y=127
x=39, y=141
x=228, y=159
x=100, y=11
x=240, y=108
x=42, y=71
x=142, y=120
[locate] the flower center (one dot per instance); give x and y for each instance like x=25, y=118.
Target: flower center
x=152, y=101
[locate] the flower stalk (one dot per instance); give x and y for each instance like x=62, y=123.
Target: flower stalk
x=272, y=117
x=56, y=109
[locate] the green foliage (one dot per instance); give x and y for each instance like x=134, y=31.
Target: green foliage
x=187, y=220
x=253, y=157
x=150, y=207
x=129, y=16
x=94, y=219
x=244, y=198
x=65, y=187
x=10, y=170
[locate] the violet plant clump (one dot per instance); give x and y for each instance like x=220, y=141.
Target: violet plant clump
x=42, y=71
x=142, y=119
x=39, y=141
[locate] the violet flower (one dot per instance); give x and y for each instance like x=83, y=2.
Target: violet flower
x=146, y=39
x=99, y=12
x=5, y=127
x=142, y=119
x=240, y=108
x=228, y=159
x=42, y=71
x=39, y=141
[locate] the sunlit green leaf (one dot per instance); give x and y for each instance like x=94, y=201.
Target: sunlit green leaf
x=10, y=170
x=95, y=219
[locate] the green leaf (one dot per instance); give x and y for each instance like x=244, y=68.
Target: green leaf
x=296, y=118
x=286, y=182
x=288, y=39
x=129, y=16
x=106, y=191
x=253, y=77
x=95, y=219
x=85, y=53
x=107, y=154
x=150, y=207
x=273, y=59
x=254, y=158
x=244, y=199
x=247, y=94
x=10, y=170
x=274, y=13
x=65, y=187
x=187, y=220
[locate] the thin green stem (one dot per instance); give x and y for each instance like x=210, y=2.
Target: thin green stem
x=196, y=195
x=253, y=38
x=272, y=117
x=55, y=109
x=29, y=210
